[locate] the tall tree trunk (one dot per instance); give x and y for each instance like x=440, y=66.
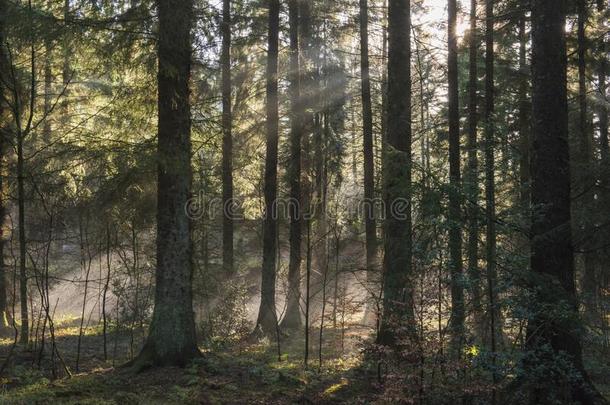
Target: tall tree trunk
x=66, y=68
x=525, y=144
x=384, y=87
x=490, y=205
x=602, y=111
x=267, y=318
x=105, y=292
x=454, y=217
x=307, y=291
x=604, y=147
x=398, y=295
x=320, y=140
x=524, y=120
x=472, y=177
x=553, y=323
x=4, y=312
x=321, y=137
x=48, y=97
x=292, y=319
x=23, y=278
x=583, y=133
x=227, y=142
x=604, y=162
x=367, y=136
x=586, y=179
x=171, y=338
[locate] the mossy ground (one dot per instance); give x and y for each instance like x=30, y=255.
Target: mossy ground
x=238, y=374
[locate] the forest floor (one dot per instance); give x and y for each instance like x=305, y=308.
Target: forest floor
x=239, y=374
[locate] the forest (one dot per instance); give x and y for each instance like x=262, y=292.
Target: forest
x=304, y=202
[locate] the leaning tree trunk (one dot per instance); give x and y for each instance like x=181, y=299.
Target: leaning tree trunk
x=267, y=317
x=397, y=288
x=171, y=338
x=292, y=319
x=454, y=217
x=553, y=327
x=227, y=142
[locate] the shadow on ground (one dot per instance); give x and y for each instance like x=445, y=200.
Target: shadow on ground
x=243, y=373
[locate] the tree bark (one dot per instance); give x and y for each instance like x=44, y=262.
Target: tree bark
x=66, y=73
x=4, y=313
x=171, y=339
x=227, y=142
x=524, y=120
x=367, y=136
x=583, y=128
x=23, y=278
x=105, y=292
x=267, y=317
x=4, y=310
x=398, y=295
x=602, y=111
x=307, y=292
x=553, y=324
x=472, y=180
x=454, y=217
x=604, y=148
x=584, y=168
x=490, y=206
x=48, y=82
x=292, y=319
x=384, y=88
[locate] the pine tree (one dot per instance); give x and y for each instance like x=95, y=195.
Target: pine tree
x=454, y=217
x=227, y=141
x=397, y=287
x=267, y=318
x=553, y=325
x=367, y=137
x=171, y=338
x=4, y=324
x=292, y=319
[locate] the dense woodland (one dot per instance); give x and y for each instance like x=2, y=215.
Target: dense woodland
x=304, y=201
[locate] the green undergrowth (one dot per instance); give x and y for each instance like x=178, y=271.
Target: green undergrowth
x=243, y=374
